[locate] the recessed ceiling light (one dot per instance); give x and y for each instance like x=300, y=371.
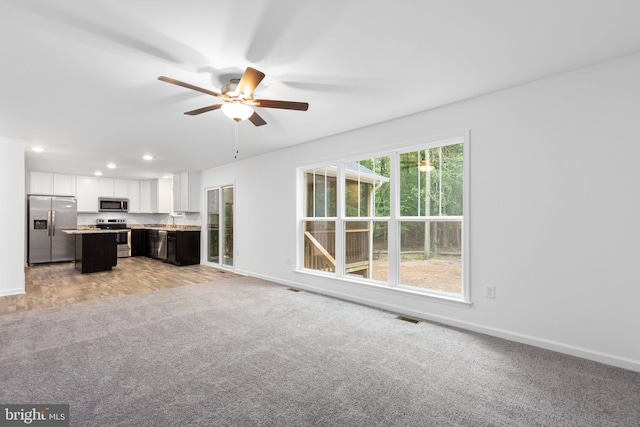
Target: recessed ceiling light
x=111, y=165
x=98, y=173
x=147, y=157
x=37, y=149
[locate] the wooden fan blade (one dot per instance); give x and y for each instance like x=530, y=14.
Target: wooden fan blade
x=189, y=86
x=286, y=105
x=203, y=110
x=257, y=120
x=249, y=81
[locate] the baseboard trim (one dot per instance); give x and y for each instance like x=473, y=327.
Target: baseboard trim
x=9, y=292
x=584, y=353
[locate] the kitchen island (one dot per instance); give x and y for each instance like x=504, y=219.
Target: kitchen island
x=96, y=250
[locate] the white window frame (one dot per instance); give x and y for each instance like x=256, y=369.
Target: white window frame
x=394, y=219
x=302, y=219
x=220, y=189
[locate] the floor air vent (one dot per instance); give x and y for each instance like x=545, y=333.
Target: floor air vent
x=293, y=290
x=407, y=319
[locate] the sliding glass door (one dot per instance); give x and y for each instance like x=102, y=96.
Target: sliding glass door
x=220, y=213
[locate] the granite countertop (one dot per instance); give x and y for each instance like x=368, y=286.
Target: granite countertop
x=84, y=229
x=90, y=231
x=168, y=227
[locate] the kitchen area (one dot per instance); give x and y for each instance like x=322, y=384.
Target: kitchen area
x=95, y=221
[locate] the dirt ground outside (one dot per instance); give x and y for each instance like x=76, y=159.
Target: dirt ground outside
x=443, y=273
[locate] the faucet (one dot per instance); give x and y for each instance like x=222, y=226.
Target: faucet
x=173, y=221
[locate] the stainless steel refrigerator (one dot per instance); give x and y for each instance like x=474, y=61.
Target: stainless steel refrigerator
x=48, y=216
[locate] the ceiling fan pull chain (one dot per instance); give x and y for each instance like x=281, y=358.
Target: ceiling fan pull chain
x=236, y=130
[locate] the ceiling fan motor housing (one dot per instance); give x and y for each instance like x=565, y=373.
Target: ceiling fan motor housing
x=230, y=88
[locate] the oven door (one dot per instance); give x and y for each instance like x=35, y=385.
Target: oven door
x=123, y=242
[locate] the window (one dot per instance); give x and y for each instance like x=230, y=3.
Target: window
x=430, y=227
x=319, y=225
x=367, y=187
x=396, y=219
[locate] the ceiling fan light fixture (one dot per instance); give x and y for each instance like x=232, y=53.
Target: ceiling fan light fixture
x=237, y=111
x=424, y=167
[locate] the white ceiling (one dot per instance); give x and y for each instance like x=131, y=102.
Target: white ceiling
x=79, y=77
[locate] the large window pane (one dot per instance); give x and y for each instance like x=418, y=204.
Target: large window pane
x=213, y=225
x=431, y=255
x=367, y=187
x=320, y=192
x=220, y=226
x=227, y=238
x=320, y=245
x=431, y=182
x=366, y=249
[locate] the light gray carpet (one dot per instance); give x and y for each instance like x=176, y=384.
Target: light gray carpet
x=248, y=352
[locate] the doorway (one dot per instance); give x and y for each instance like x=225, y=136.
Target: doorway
x=220, y=211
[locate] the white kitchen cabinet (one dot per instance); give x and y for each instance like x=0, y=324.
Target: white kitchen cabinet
x=40, y=183
x=177, y=202
x=134, y=196
x=145, y=196
x=64, y=185
x=105, y=187
x=186, y=191
x=155, y=196
x=47, y=183
x=87, y=189
x=121, y=188
x=164, y=196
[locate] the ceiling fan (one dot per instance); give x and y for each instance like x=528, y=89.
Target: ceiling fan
x=238, y=98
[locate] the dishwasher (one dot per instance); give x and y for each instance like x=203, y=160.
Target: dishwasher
x=171, y=247
x=162, y=245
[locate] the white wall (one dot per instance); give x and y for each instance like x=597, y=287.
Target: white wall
x=554, y=216
x=12, y=216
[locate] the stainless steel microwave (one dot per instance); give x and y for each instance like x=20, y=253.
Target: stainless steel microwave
x=109, y=204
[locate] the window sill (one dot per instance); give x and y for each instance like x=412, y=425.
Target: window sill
x=395, y=290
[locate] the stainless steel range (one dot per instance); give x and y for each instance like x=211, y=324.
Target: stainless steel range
x=123, y=239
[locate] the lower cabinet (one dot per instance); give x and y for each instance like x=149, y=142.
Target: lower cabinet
x=95, y=252
x=187, y=248
x=151, y=240
x=178, y=247
x=137, y=242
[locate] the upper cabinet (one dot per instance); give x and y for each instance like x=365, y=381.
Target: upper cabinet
x=145, y=196
x=134, y=196
x=186, y=191
x=88, y=188
x=155, y=196
x=121, y=188
x=64, y=185
x=52, y=184
x=114, y=187
x=40, y=183
x=105, y=186
x=164, y=196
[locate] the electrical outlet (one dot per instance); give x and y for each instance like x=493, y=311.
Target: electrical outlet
x=288, y=261
x=490, y=291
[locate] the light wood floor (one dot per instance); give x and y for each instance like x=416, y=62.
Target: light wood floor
x=52, y=285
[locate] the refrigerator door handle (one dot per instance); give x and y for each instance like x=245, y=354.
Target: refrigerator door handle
x=53, y=223
x=49, y=223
